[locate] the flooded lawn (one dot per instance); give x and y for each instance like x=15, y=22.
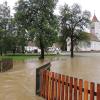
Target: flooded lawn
x=83, y=67
x=19, y=83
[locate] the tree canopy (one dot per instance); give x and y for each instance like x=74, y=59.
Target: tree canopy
x=37, y=17
x=34, y=20
x=73, y=23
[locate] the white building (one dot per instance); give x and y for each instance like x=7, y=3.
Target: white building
x=95, y=32
x=94, y=44
x=94, y=37
x=32, y=48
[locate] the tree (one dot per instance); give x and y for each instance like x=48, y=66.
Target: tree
x=81, y=37
x=73, y=22
x=37, y=18
x=4, y=26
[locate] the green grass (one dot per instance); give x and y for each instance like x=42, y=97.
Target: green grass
x=24, y=56
x=19, y=57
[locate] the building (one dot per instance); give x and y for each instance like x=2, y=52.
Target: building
x=94, y=34
x=95, y=27
x=94, y=44
x=32, y=48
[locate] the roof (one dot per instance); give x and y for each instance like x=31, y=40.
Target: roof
x=93, y=37
x=94, y=19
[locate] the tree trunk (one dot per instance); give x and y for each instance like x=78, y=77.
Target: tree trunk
x=1, y=53
x=64, y=46
x=23, y=49
x=5, y=51
x=42, y=53
x=14, y=50
x=72, y=47
x=42, y=49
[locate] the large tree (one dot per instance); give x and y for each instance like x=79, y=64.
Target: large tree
x=17, y=36
x=4, y=26
x=38, y=19
x=73, y=22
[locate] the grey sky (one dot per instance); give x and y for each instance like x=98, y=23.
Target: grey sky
x=91, y=5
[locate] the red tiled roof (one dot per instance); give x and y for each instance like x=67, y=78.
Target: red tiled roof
x=94, y=19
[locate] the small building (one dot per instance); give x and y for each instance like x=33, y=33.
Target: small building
x=32, y=48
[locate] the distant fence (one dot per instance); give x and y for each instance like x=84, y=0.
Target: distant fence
x=54, y=86
x=38, y=73
x=6, y=64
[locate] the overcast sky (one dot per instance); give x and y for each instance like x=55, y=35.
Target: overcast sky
x=91, y=5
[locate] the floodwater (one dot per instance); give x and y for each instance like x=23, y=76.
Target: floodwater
x=19, y=83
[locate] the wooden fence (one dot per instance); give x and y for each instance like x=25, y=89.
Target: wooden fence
x=6, y=64
x=55, y=86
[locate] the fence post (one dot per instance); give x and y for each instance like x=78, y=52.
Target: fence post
x=38, y=71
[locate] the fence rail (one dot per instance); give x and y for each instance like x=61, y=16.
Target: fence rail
x=54, y=86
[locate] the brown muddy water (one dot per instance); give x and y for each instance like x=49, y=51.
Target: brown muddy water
x=19, y=83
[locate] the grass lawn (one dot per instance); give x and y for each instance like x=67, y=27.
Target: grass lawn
x=18, y=57
x=24, y=56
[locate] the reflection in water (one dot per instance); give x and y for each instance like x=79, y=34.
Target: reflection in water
x=19, y=83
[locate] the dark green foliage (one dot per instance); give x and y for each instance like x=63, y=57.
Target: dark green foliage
x=4, y=27
x=73, y=22
x=36, y=16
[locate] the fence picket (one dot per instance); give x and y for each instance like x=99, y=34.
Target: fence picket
x=66, y=88
x=44, y=83
x=92, y=91
x=52, y=87
x=85, y=90
x=80, y=88
x=49, y=86
x=47, y=81
x=55, y=86
x=41, y=83
x=75, y=88
x=59, y=87
x=62, y=92
x=70, y=88
x=98, y=91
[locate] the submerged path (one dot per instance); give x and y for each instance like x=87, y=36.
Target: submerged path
x=19, y=84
